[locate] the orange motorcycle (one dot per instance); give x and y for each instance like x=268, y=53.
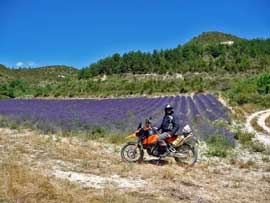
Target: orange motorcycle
x=181, y=146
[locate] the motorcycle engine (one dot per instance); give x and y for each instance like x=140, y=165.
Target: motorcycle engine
x=154, y=150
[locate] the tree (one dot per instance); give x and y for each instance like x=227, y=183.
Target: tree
x=205, y=52
x=263, y=83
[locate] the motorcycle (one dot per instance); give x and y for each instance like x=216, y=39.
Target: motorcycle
x=181, y=146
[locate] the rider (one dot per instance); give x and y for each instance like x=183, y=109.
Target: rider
x=168, y=127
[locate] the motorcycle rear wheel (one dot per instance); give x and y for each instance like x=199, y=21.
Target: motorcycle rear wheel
x=189, y=153
x=128, y=154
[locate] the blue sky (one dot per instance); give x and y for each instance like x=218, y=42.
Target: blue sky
x=78, y=33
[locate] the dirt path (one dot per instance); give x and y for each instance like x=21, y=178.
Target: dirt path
x=260, y=116
x=96, y=171
x=262, y=121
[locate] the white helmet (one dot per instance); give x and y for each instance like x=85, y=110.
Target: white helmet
x=187, y=129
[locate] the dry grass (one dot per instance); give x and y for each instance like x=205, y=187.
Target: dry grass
x=27, y=159
x=249, y=108
x=248, y=164
x=255, y=125
x=267, y=168
x=21, y=185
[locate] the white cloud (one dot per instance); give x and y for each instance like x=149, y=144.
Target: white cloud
x=19, y=64
x=26, y=64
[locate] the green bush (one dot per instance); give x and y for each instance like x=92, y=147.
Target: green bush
x=254, y=89
x=95, y=133
x=263, y=83
x=218, y=145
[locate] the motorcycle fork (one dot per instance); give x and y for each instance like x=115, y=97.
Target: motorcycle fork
x=138, y=145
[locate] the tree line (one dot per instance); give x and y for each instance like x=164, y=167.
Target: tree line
x=195, y=56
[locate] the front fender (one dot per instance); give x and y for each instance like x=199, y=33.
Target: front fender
x=131, y=136
x=135, y=143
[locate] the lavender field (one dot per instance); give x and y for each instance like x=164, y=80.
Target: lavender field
x=200, y=111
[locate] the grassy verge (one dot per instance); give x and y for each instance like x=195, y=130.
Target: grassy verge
x=97, y=133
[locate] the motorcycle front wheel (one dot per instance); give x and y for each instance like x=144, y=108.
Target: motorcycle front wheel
x=188, y=155
x=131, y=153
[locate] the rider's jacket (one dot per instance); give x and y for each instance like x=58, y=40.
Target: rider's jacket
x=170, y=123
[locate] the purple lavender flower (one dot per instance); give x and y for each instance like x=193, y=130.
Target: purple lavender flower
x=120, y=115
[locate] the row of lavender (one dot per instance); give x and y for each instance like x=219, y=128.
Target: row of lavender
x=200, y=111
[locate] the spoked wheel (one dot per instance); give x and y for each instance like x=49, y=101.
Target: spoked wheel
x=131, y=153
x=187, y=155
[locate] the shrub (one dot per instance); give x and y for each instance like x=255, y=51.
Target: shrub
x=265, y=158
x=219, y=146
x=244, y=137
x=258, y=147
x=96, y=133
x=263, y=83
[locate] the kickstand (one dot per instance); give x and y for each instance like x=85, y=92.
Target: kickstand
x=159, y=161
